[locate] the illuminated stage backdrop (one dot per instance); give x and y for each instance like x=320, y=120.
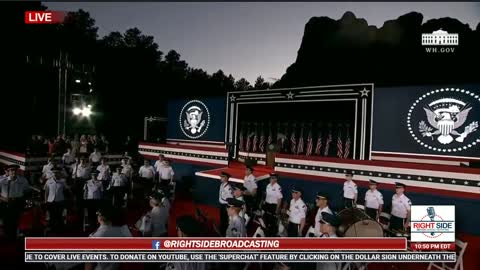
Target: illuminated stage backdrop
x=434, y=124
x=353, y=99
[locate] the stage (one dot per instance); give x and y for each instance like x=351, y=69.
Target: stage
x=237, y=172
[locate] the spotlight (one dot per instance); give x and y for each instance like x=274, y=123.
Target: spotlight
x=77, y=111
x=89, y=106
x=77, y=81
x=91, y=90
x=86, y=111
x=89, y=83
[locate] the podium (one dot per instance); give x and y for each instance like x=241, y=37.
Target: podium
x=272, y=149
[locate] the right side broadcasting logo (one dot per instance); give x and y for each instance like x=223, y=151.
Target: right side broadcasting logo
x=435, y=223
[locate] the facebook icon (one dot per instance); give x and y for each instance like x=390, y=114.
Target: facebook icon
x=155, y=244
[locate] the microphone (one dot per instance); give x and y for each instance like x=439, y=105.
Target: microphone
x=431, y=215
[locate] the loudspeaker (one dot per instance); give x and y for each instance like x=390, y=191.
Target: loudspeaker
x=250, y=162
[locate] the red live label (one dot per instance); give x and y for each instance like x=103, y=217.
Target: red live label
x=44, y=17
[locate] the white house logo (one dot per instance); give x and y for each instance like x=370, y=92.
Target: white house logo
x=440, y=38
x=445, y=120
x=194, y=119
x=434, y=223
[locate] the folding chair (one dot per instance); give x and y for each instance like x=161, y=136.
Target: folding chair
x=460, y=250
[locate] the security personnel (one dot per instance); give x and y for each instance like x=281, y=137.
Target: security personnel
x=127, y=169
x=321, y=202
x=118, y=185
x=12, y=193
x=187, y=226
x=95, y=157
x=236, y=226
x=328, y=227
x=373, y=201
x=350, y=191
x=93, y=195
x=273, y=201
x=400, y=215
x=159, y=162
x=55, y=189
x=296, y=213
x=158, y=216
x=250, y=184
x=238, y=191
x=224, y=193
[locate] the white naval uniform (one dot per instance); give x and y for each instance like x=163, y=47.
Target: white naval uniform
x=349, y=190
x=146, y=172
x=110, y=231
x=274, y=193
x=68, y=158
x=165, y=173
x=93, y=190
x=297, y=211
x=318, y=217
x=373, y=199
x=249, y=183
x=103, y=172
x=158, y=164
x=225, y=192
x=81, y=172
x=47, y=169
x=119, y=180
x=400, y=206
x=127, y=170
x=55, y=190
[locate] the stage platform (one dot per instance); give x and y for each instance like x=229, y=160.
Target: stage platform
x=237, y=172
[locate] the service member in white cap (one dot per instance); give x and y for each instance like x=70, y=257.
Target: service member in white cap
x=238, y=191
x=297, y=212
x=273, y=203
x=400, y=218
x=350, y=191
x=373, y=201
x=321, y=202
x=224, y=193
x=236, y=226
x=118, y=185
x=328, y=226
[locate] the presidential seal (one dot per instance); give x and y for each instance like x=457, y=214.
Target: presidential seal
x=444, y=120
x=194, y=119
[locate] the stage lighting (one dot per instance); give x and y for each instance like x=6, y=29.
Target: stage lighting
x=77, y=81
x=77, y=111
x=91, y=90
x=89, y=83
x=86, y=111
x=89, y=106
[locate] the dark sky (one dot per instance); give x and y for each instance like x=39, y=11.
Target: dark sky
x=246, y=39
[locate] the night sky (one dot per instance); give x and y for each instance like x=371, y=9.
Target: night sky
x=246, y=39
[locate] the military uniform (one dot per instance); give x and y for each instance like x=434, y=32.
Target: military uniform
x=13, y=191
x=332, y=220
x=250, y=184
x=349, y=192
x=55, y=201
x=118, y=186
x=296, y=213
x=400, y=209
x=224, y=193
x=93, y=198
x=320, y=211
x=241, y=188
x=272, y=196
x=373, y=201
x=165, y=175
x=236, y=226
x=159, y=217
